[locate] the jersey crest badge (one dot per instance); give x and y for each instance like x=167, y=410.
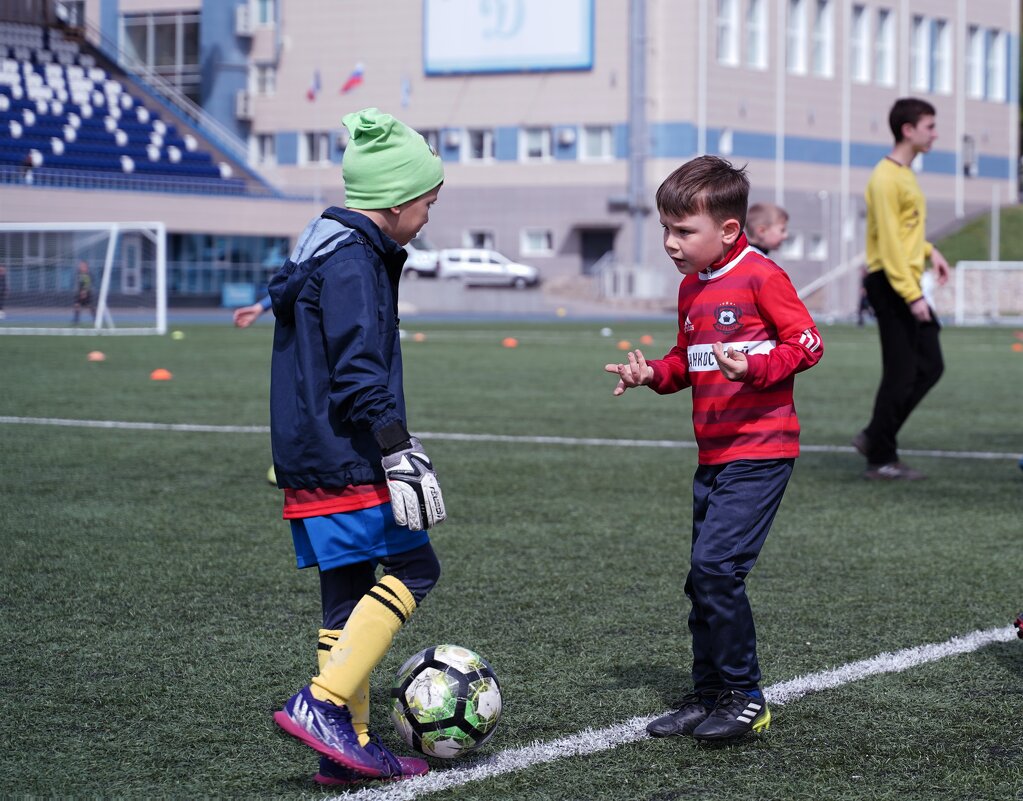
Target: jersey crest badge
x=727, y=318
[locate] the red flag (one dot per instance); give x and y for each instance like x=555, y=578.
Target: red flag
x=354, y=80
x=314, y=87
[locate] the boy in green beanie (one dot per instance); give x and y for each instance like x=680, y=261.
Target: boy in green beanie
x=358, y=489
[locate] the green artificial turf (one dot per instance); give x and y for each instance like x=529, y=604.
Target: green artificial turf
x=153, y=618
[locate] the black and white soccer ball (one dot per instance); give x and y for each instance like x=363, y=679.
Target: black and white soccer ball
x=446, y=701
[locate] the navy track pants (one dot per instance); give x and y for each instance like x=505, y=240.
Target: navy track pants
x=734, y=505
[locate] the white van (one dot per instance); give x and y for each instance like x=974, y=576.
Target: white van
x=478, y=267
x=423, y=261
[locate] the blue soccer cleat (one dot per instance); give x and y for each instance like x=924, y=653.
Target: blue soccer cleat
x=333, y=775
x=327, y=728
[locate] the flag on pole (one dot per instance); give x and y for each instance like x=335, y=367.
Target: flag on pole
x=314, y=87
x=354, y=80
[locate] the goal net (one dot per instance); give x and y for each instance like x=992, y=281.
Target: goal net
x=982, y=293
x=83, y=278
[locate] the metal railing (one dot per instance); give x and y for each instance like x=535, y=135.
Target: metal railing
x=162, y=91
x=53, y=177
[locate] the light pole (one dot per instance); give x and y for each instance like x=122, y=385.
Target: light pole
x=638, y=135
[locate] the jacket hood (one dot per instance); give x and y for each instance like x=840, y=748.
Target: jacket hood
x=334, y=228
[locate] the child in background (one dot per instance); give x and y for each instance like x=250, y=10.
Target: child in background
x=83, y=293
x=244, y=316
x=743, y=334
x=767, y=226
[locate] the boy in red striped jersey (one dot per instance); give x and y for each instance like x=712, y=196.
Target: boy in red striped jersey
x=743, y=334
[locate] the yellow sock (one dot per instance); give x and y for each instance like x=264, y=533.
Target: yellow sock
x=364, y=641
x=358, y=704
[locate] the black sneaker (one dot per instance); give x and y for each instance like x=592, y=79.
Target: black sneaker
x=861, y=443
x=692, y=711
x=736, y=713
x=893, y=471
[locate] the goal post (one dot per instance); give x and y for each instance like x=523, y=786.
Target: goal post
x=988, y=292
x=83, y=278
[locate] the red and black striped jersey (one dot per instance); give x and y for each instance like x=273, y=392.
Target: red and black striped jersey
x=748, y=303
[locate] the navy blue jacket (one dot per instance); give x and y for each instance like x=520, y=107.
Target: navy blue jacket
x=336, y=375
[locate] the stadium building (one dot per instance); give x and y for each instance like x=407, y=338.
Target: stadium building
x=556, y=122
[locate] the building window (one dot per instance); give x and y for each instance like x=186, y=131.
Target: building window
x=795, y=38
x=941, y=68
x=537, y=242
x=265, y=83
x=975, y=63
x=824, y=39
x=480, y=144
x=860, y=51
x=817, y=248
x=920, y=54
x=72, y=13
x=756, y=34
x=266, y=150
x=997, y=89
x=536, y=144
x=314, y=148
x=792, y=248
x=597, y=143
x=884, y=52
x=266, y=12
x=432, y=137
x=478, y=238
x=728, y=32
x=167, y=44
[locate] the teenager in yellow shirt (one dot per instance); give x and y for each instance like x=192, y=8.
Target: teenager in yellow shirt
x=897, y=250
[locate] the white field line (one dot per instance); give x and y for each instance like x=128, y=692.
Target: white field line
x=457, y=437
x=590, y=741
x=127, y=425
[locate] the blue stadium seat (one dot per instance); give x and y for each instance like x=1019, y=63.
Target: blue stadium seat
x=64, y=95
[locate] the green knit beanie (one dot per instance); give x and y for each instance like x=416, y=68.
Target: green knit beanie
x=386, y=162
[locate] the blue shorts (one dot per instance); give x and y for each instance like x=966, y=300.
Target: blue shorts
x=348, y=537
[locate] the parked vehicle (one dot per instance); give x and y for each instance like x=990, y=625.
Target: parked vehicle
x=423, y=261
x=478, y=267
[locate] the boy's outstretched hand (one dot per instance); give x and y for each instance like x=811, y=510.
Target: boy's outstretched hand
x=732, y=363
x=634, y=374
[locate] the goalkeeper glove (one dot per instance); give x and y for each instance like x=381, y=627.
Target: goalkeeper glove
x=416, y=498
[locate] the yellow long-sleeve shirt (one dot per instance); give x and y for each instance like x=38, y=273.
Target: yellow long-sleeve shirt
x=896, y=214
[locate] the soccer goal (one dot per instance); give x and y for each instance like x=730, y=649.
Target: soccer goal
x=83, y=278
x=988, y=293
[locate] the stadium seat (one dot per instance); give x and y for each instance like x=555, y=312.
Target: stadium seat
x=60, y=110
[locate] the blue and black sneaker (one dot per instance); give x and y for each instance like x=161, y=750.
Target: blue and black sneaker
x=735, y=713
x=692, y=710
x=327, y=728
x=332, y=774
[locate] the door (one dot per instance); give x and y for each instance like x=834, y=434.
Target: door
x=594, y=244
